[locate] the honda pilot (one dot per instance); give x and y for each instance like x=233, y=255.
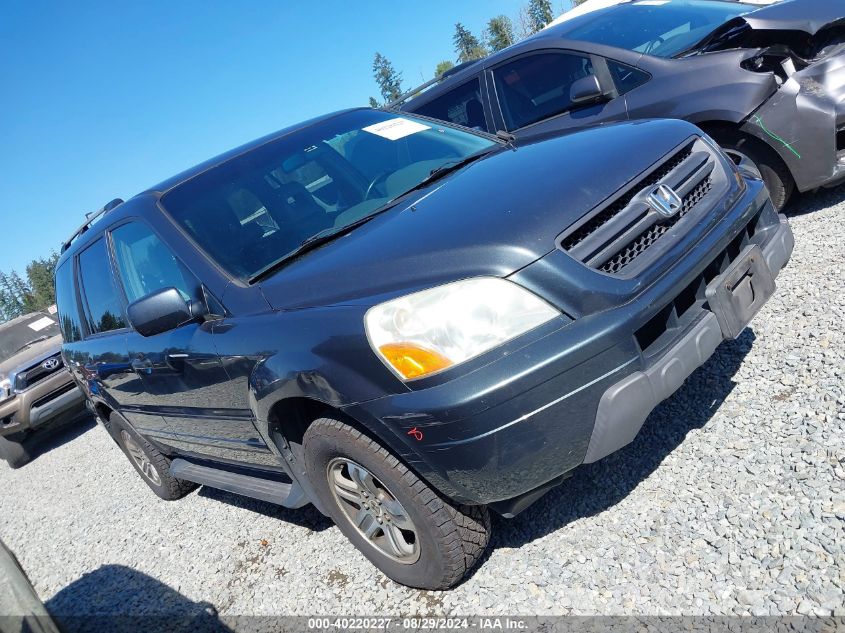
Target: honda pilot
x=409, y=324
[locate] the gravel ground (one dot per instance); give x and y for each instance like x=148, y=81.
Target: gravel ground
x=730, y=501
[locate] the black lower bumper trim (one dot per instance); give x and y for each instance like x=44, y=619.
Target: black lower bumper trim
x=624, y=407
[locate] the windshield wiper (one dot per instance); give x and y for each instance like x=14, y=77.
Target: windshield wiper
x=30, y=343
x=439, y=172
x=316, y=240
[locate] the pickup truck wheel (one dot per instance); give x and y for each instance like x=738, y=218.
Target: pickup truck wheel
x=151, y=464
x=397, y=521
x=14, y=450
x=778, y=180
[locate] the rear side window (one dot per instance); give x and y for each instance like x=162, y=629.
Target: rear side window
x=147, y=265
x=67, y=304
x=626, y=77
x=462, y=106
x=100, y=298
x=537, y=87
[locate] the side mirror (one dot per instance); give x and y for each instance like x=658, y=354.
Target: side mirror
x=586, y=90
x=159, y=312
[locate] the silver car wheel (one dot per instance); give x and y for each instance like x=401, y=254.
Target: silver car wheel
x=140, y=458
x=373, y=510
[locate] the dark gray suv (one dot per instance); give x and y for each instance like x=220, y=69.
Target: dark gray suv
x=405, y=322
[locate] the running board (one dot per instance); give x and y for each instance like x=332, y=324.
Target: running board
x=283, y=494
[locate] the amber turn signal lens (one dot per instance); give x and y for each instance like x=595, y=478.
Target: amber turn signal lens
x=413, y=361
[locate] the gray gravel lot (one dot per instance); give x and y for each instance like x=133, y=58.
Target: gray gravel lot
x=730, y=501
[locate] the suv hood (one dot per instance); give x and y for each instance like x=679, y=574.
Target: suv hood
x=491, y=218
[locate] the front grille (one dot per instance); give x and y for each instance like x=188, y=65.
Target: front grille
x=656, y=231
x=33, y=375
x=611, y=211
x=673, y=318
x=613, y=237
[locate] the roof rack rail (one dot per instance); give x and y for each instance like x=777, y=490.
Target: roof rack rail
x=444, y=75
x=90, y=218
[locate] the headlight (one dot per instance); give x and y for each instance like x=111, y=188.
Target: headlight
x=5, y=388
x=429, y=331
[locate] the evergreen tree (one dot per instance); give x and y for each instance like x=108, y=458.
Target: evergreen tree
x=20, y=296
x=39, y=274
x=538, y=13
x=442, y=67
x=467, y=45
x=14, y=296
x=389, y=81
x=500, y=33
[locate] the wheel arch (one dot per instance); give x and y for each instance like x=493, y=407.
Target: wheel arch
x=720, y=130
x=289, y=419
x=103, y=411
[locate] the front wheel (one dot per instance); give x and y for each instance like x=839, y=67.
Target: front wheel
x=397, y=521
x=775, y=175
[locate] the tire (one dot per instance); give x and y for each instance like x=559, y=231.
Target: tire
x=440, y=541
x=150, y=463
x=14, y=451
x=776, y=176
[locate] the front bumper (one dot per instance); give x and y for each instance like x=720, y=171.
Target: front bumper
x=41, y=403
x=802, y=122
x=500, y=431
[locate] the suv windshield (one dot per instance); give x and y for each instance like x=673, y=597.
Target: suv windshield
x=252, y=211
x=663, y=28
x=19, y=334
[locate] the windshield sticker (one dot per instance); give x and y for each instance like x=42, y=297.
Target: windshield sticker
x=395, y=129
x=40, y=324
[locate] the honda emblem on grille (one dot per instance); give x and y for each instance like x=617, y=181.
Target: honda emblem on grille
x=51, y=363
x=665, y=201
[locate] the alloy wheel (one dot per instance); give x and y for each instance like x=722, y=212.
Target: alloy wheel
x=140, y=458
x=373, y=510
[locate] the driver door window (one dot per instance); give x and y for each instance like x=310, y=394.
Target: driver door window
x=146, y=265
x=537, y=87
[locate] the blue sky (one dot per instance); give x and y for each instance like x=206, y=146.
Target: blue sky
x=102, y=99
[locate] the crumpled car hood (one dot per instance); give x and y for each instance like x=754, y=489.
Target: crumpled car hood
x=810, y=16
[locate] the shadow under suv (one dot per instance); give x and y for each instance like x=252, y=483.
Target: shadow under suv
x=405, y=323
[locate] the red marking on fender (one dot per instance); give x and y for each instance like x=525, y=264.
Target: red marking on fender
x=416, y=434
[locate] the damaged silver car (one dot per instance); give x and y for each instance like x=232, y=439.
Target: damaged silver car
x=768, y=83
